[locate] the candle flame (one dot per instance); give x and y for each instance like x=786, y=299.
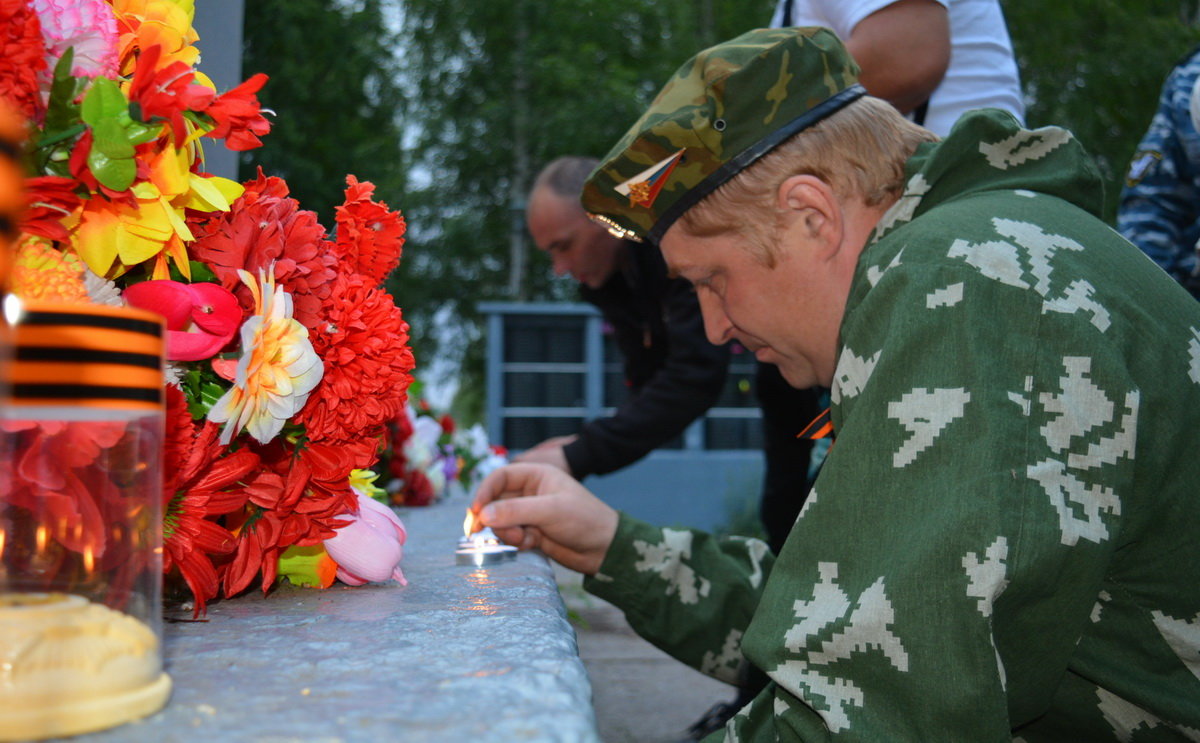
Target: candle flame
x=470, y=523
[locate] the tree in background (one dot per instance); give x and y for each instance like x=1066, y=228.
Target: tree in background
x=485, y=93
x=1096, y=67
x=496, y=91
x=335, y=93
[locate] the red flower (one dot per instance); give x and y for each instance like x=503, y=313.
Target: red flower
x=57, y=470
x=167, y=93
x=22, y=58
x=447, y=423
x=199, y=483
x=201, y=318
x=48, y=199
x=363, y=341
x=238, y=116
x=298, y=500
x=418, y=491
x=369, y=237
x=265, y=227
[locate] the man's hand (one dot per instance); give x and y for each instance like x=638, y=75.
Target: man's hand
x=548, y=452
x=535, y=506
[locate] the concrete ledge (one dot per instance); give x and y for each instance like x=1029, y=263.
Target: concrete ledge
x=461, y=653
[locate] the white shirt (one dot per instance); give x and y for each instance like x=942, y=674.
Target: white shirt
x=982, y=71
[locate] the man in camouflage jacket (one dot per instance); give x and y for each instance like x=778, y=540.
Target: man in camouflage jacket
x=1001, y=544
x=1160, y=204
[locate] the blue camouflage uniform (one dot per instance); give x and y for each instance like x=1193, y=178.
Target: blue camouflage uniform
x=1160, y=203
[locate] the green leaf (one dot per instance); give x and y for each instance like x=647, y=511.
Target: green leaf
x=201, y=401
x=104, y=101
x=139, y=133
x=111, y=158
x=201, y=272
x=190, y=383
x=203, y=122
x=210, y=392
x=62, y=112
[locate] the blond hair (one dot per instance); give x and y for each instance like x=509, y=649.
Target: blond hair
x=859, y=151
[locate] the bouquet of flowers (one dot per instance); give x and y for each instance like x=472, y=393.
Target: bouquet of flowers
x=287, y=358
x=430, y=457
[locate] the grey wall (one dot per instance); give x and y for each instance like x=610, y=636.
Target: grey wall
x=219, y=24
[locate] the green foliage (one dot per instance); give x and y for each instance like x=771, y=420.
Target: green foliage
x=335, y=97
x=496, y=91
x=1097, y=67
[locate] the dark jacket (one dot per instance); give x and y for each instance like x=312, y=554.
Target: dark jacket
x=673, y=372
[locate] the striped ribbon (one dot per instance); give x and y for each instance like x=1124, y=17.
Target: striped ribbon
x=821, y=427
x=81, y=355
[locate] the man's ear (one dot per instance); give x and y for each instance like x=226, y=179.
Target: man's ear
x=810, y=205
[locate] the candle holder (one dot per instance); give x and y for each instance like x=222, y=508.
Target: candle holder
x=81, y=521
x=483, y=548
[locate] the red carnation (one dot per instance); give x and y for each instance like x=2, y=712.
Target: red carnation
x=22, y=58
x=369, y=237
x=363, y=341
x=265, y=227
x=418, y=490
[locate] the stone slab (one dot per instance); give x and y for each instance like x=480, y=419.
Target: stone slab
x=459, y=654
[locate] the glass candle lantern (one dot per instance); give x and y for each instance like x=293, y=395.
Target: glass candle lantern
x=81, y=513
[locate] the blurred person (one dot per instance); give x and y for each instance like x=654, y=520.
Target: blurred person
x=1159, y=210
x=673, y=373
x=1000, y=544
x=932, y=59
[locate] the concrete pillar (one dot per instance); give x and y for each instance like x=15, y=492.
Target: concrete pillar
x=219, y=24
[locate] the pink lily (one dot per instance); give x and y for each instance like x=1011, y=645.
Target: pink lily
x=369, y=546
x=201, y=318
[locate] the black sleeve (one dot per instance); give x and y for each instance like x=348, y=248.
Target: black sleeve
x=686, y=383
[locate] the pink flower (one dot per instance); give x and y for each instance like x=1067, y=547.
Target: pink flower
x=369, y=546
x=201, y=318
x=87, y=25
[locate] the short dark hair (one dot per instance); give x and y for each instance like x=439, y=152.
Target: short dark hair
x=565, y=175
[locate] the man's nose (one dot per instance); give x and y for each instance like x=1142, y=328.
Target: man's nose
x=717, y=326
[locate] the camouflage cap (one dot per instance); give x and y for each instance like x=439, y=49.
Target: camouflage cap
x=722, y=110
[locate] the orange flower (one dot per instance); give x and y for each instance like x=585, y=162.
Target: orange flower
x=142, y=24
x=41, y=272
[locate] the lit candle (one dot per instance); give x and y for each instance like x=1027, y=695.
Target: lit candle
x=481, y=547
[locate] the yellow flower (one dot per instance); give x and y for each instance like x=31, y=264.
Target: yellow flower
x=42, y=272
x=168, y=23
x=111, y=236
x=363, y=482
x=277, y=371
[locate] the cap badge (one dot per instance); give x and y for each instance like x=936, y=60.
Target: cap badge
x=643, y=188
